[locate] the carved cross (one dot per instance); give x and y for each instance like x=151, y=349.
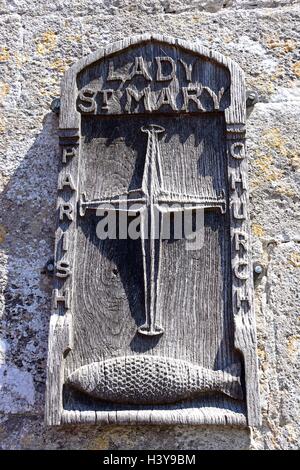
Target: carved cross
x=151, y=201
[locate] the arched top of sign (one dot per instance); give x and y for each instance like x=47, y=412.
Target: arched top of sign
x=229, y=99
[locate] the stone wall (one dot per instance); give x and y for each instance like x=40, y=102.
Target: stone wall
x=39, y=40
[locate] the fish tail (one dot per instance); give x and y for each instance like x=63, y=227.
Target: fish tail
x=230, y=381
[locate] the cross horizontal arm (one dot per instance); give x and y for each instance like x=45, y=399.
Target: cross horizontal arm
x=190, y=202
x=117, y=203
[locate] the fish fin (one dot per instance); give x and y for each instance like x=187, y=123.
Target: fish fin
x=232, y=381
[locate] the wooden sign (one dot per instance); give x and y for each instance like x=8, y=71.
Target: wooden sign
x=149, y=326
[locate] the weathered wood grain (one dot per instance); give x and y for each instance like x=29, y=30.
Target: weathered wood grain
x=204, y=297
x=242, y=283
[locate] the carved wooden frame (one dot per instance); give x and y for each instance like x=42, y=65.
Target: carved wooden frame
x=60, y=334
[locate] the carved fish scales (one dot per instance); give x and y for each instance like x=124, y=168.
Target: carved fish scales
x=153, y=380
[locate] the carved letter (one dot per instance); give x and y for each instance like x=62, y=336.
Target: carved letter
x=241, y=239
x=68, y=152
x=237, y=150
x=66, y=181
x=61, y=298
x=111, y=73
x=240, y=297
x=67, y=210
x=188, y=70
x=192, y=93
x=238, y=273
x=62, y=269
x=166, y=98
x=160, y=77
x=88, y=96
x=235, y=179
x=239, y=210
x=137, y=96
x=216, y=98
x=65, y=241
x=106, y=95
x=140, y=68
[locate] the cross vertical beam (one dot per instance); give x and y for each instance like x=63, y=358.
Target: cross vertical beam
x=152, y=202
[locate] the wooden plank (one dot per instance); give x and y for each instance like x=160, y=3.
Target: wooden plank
x=199, y=300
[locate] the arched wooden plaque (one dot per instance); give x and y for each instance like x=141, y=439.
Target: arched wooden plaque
x=152, y=329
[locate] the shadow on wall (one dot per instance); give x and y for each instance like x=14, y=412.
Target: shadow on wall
x=27, y=222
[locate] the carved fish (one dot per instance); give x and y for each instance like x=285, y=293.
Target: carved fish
x=153, y=380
